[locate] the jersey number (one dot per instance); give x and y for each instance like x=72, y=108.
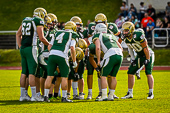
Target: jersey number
x=135, y=46
x=60, y=38
x=26, y=27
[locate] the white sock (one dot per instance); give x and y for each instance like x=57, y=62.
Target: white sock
x=151, y=91
x=112, y=91
x=59, y=92
x=90, y=91
x=26, y=92
x=64, y=93
x=99, y=85
x=74, y=86
x=38, y=94
x=33, y=90
x=104, y=93
x=22, y=92
x=130, y=90
x=46, y=91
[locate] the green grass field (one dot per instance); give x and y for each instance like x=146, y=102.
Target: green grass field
x=10, y=93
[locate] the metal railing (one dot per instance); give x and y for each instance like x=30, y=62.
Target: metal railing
x=165, y=37
x=11, y=32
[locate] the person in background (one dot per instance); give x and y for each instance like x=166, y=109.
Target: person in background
x=159, y=24
x=144, y=22
x=134, y=20
x=132, y=11
x=142, y=11
x=166, y=23
x=119, y=21
x=124, y=9
x=167, y=9
x=151, y=12
x=150, y=27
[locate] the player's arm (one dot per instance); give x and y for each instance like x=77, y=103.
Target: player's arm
x=145, y=49
x=92, y=61
x=19, y=36
x=41, y=35
x=130, y=49
x=98, y=51
x=119, y=45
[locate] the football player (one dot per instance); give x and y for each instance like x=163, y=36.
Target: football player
x=112, y=60
x=136, y=40
x=58, y=56
x=82, y=35
x=111, y=29
x=26, y=37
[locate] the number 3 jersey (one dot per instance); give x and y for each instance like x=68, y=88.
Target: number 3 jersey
x=134, y=43
x=62, y=42
x=29, y=31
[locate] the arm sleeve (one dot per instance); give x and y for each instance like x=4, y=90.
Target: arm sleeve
x=73, y=43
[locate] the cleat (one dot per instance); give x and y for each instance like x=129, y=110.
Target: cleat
x=128, y=95
x=89, y=97
x=102, y=99
x=53, y=99
x=46, y=99
x=37, y=98
x=150, y=96
x=75, y=97
x=99, y=96
x=65, y=100
x=25, y=98
x=138, y=75
x=28, y=97
x=81, y=96
x=115, y=97
x=68, y=95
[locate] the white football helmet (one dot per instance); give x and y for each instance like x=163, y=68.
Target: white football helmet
x=101, y=28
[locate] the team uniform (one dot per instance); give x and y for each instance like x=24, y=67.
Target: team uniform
x=28, y=49
x=112, y=54
x=134, y=44
x=59, y=52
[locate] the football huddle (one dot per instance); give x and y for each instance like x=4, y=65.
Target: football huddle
x=52, y=59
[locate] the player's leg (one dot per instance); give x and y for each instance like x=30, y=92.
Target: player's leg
x=131, y=78
x=64, y=71
x=81, y=80
x=52, y=65
x=116, y=61
x=106, y=69
x=37, y=82
x=148, y=71
x=50, y=95
x=26, y=88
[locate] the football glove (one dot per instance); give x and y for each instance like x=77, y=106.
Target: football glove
x=76, y=75
x=146, y=61
x=98, y=69
x=74, y=64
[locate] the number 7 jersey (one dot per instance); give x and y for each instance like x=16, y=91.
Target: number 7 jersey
x=29, y=31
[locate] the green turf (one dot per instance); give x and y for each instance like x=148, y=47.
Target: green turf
x=10, y=92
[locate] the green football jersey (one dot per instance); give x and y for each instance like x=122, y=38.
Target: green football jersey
x=107, y=41
x=111, y=28
x=62, y=40
x=29, y=31
x=137, y=38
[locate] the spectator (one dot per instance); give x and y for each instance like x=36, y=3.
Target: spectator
x=124, y=9
x=159, y=24
x=134, y=20
x=150, y=27
x=144, y=22
x=132, y=10
x=119, y=21
x=151, y=12
x=167, y=10
x=142, y=11
x=166, y=23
